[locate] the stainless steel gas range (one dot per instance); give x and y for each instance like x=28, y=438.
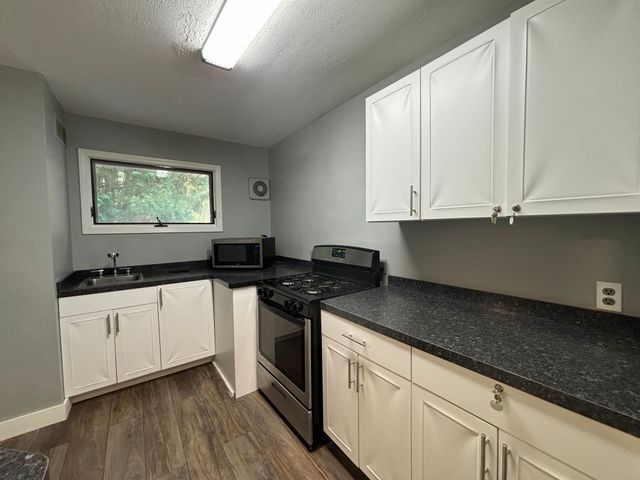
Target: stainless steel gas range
x=289, y=333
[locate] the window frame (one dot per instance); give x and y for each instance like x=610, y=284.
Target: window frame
x=85, y=157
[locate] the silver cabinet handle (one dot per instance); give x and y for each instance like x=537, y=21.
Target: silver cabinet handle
x=359, y=385
x=412, y=192
x=350, y=337
x=108, y=324
x=160, y=298
x=483, y=455
x=351, y=364
x=505, y=453
x=117, y=323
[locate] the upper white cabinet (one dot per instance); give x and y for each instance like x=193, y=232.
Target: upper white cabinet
x=186, y=322
x=575, y=107
x=538, y=115
x=464, y=128
x=393, y=151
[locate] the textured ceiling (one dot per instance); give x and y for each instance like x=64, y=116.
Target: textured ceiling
x=137, y=61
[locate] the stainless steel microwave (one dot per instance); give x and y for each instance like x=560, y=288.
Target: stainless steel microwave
x=259, y=252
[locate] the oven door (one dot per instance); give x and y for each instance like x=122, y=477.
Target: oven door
x=284, y=349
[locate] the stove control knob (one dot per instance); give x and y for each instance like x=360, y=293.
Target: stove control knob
x=297, y=307
x=269, y=292
x=287, y=305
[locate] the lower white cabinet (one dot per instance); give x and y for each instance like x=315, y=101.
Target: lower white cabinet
x=384, y=418
x=114, y=337
x=340, y=397
x=186, y=322
x=448, y=442
x=88, y=352
x=367, y=407
x=107, y=347
x=137, y=341
x=521, y=461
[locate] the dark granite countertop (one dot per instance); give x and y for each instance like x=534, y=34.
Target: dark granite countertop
x=583, y=360
x=159, y=274
x=18, y=465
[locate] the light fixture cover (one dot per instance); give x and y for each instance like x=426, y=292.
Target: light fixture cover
x=238, y=23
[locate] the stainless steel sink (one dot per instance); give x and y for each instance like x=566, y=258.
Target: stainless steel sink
x=110, y=280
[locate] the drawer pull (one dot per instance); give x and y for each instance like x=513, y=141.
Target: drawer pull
x=483, y=456
x=349, y=380
x=350, y=337
x=505, y=454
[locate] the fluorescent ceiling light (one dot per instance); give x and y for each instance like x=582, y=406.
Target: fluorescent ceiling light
x=238, y=23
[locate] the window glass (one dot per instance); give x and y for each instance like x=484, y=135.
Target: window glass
x=139, y=194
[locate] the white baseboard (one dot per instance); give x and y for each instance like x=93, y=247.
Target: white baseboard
x=224, y=379
x=34, y=420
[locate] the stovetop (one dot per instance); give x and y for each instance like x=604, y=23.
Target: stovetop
x=315, y=286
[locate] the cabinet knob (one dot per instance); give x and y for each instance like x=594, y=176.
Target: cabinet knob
x=496, y=403
x=515, y=210
x=494, y=214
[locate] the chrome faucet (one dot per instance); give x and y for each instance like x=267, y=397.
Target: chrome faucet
x=113, y=256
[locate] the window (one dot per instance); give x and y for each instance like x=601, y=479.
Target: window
x=131, y=194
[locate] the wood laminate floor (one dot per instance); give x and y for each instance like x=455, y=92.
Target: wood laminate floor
x=183, y=426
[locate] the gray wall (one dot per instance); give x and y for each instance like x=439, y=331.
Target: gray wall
x=30, y=367
x=57, y=189
x=318, y=196
x=241, y=216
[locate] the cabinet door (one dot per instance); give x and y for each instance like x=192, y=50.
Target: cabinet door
x=137, y=341
x=449, y=442
x=524, y=462
x=186, y=322
x=393, y=151
x=575, y=107
x=340, y=397
x=464, y=128
x=384, y=423
x=88, y=352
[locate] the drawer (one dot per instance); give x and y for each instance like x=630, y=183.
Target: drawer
x=106, y=301
x=579, y=441
x=385, y=351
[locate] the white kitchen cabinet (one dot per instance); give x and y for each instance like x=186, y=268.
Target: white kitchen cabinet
x=340, y=397
x=393, y=151
x=367, y=407
x=521, y=461
x=137, y=341
x=448, y=442
x=575, y=107
x=88, y=352
x=186, y=322
x=235, y=319
x=384, y=419
x=464, y=97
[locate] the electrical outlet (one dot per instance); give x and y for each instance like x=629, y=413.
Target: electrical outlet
x=609, y=296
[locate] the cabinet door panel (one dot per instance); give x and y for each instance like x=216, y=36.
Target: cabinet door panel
x=88, y=352
x=137, y=341
x=384, y=423
x=447, y=441
x=575, y=107
x=464, y=127
x=525, y=462
x=393, y=151
x=340, y=397
x=186, y=322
